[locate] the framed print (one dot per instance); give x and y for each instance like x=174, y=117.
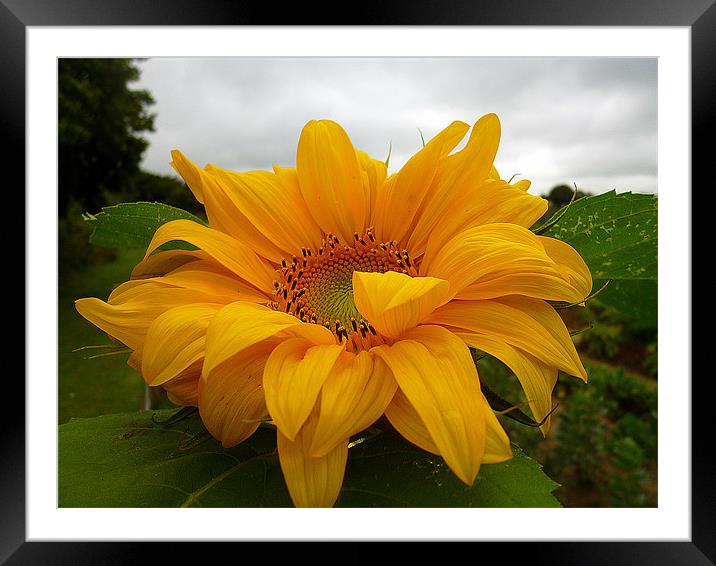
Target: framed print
x=620, y=96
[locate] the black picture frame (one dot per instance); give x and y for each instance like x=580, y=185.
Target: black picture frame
x=17, y=15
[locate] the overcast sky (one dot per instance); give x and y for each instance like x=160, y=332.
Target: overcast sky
x=589, y=121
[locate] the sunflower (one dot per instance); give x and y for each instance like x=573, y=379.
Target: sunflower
x=324, y=296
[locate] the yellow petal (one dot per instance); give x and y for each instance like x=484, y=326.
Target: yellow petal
x=293, y=377
x=570, y=263
x=163, y=262
x=529, y=324
x=353, y=397
x=399, y=204
x=403, y=416
x=231, y=397
x=474, y=163
x=183, y=389
x=374, y=174
x=522, y=185
x=135, y=304
x=229, y=252
x=311, y=482
x=204, y=282
x=176, y=340
x=435, y=371
x=221, y=210
x=135, y=360
x=204, y=277
x=242, y=324
x=394, y=302
x=537, y=379
x=275, y=208
x=212, y=279
x=127, y=327
x=495, y=260
x=131, y=309
x=487, y=203
x=497, y=443
x=496, y=201
x=330, y=179
x=457, y=174
x=191, y=174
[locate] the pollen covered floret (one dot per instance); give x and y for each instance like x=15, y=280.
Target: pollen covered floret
x=318, y=286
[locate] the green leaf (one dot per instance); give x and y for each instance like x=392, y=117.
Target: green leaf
x=616, y=234
x=132, y=225
x=129, y=460
x=637, y=298
x=386, y=471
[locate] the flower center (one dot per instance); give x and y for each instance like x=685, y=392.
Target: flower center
x=318, y=287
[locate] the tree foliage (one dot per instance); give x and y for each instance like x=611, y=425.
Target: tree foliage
x=101, y=120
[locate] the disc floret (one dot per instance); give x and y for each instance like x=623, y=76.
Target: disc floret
x=318, y=286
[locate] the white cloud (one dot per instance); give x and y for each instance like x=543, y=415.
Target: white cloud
x=590, y=121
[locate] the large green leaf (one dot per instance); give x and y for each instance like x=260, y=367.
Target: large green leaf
x=132, y=225
x=386, y=471
x=637, y=298
x=616, y=234
x=128, y=460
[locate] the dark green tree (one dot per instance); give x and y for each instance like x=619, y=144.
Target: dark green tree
x=560, y=195
x=101, y=120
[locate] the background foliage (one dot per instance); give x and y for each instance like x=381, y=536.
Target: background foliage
x=100, y=125
x=101, y=122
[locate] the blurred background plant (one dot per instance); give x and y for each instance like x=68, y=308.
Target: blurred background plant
x=602, y=448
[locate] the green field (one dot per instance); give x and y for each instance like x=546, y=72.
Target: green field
x=91, y=387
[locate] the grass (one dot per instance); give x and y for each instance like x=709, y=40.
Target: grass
x=103, y=385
